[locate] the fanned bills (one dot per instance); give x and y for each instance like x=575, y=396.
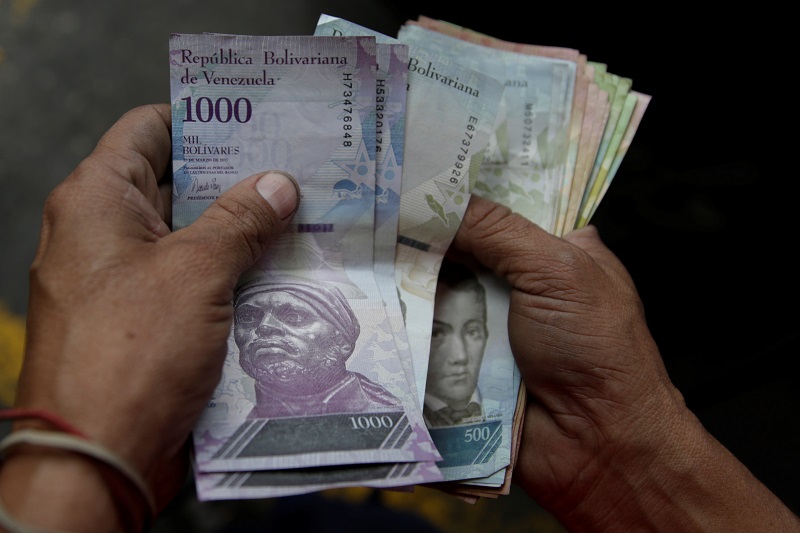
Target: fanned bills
x=526, y=164
x=470, y=422
x=551, y=106
x=360, y=354
x=313, y=377
x=450, y=112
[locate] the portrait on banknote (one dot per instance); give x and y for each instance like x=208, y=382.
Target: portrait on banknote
x=294, y=338
x=458, y=341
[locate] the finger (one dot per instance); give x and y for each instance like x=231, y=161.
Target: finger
x=588, y=239
x=165, y=189
x=143, y=132
x=136, y=150
x=238, y=227
x=507, y=243
x=121, y=176
x=116, y=183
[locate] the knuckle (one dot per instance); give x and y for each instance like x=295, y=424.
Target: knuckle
x=61, y=198
x=484, y=217
x=247, y=221
x=247, y=225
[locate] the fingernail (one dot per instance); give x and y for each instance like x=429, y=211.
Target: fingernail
x=281, y=191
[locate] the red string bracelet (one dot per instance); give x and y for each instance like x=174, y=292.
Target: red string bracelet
x=119, y=476
x=17, y=413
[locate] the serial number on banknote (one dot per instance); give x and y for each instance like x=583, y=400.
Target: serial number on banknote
x=347, y=108
x=527, y=135
x=469, y=134
x=379, y=110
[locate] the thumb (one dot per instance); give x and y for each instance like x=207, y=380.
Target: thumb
x=504, y=241
x=588, y=239
x=529, y=257
x=240, y=224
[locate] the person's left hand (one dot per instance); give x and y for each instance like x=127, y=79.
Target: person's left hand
x=127, y=321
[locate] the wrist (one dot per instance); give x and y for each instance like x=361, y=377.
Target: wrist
x=75, y=461
x=57, y=490
x=105, y=435
x=637, y=483
x=672, y=475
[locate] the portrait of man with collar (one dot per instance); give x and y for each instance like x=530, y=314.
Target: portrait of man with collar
x=458, y=340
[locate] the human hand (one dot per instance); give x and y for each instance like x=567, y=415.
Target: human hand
x=128, y=321
x=608, y=443
x=578, y=332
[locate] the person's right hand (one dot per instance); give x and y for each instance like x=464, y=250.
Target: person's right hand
x=128, y=321
x=608, y=442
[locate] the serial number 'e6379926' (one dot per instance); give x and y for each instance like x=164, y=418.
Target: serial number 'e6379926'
x=463, y=150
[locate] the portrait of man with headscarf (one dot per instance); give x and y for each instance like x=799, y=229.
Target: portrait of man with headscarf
x=294, y=337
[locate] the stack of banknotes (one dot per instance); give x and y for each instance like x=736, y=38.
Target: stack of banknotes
x=360, y=355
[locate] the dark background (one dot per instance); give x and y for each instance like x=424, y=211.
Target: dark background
x=701, y=210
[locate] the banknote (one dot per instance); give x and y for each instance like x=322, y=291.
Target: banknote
x=588, y=113
x=582, y=80
x=391, y=79
x=275, y=483
x=469, y=34
x=450, y=113
x=390, y=114
x=526, y=164
x=473, y=381
x=580, y=100
x=478, y=449
x=617, y=88
x=642, y=101
x=628, y=103
x=474, y=444
x=313, y=377
x=393, y=366
x=595, y=117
